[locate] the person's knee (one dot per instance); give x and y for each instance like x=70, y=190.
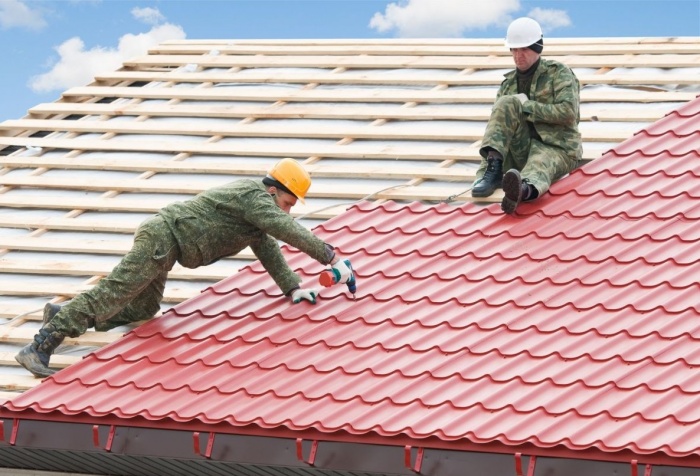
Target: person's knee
x=71, y=324
x=508, y=101
x=142, y=311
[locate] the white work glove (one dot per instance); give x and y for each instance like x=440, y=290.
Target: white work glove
x=343, y=270
x=522, y=97
x=300, y=294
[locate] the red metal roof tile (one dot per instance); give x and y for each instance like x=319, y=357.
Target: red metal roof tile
x=573, y=325
x=662, y=164
x=662, y=143
x=689, y=110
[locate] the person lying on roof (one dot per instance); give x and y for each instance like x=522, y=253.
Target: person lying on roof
x=216, y=223
x=533, y=128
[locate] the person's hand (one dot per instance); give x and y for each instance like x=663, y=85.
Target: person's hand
x=342, y=271
x=300, y=294
x=522, y=97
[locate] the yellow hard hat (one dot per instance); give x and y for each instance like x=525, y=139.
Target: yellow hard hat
x=292, y=176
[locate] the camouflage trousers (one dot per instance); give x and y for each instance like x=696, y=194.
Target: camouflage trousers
x=508, y=133
x=132, y=291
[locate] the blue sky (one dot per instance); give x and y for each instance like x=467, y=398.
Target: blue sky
x=47, y=46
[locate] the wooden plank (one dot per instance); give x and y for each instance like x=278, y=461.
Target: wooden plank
x=18, y=335
x=393, y=112
x=272, y=94
x=58, y=361
x=28, y=311
x=87, y=245
x=456, y=79
x=122, y=185
x=85, y=203
x=465, y=132
x=15, y=309
x=255, y=129
x=356, y=191
x=5, y=397
x=18, y=382
x=302, y=150
x=467, y=96
x=152, y=205
x=90, y=268
x=237, y=168
x=493, y=49
x=57, y=245
x=292, y=111
x=172, y=295
x=405, y=61
x=432, y=41
x=353, y=191
x=104, y=225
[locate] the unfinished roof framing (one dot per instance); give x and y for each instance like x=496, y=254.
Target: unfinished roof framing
x=381, y=120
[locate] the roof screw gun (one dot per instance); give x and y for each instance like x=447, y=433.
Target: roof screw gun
x=331, y=276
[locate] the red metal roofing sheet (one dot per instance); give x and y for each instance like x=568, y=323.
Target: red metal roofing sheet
x=574, y=324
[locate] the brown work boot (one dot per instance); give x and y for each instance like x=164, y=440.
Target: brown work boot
x=514, y=191
x=35, y=356
x=50, y=310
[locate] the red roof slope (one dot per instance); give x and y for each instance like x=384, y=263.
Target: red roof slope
x=574, y=325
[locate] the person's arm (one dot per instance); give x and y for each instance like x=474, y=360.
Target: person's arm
x=564, y=108
x=268, y=252
x=270, y=256
x=275, y=223
x=262, y=213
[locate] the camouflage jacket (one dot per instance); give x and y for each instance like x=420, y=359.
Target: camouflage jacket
x=224, y=220
x=554, y=104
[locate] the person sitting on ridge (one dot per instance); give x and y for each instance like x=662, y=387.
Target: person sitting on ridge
x=533, y=128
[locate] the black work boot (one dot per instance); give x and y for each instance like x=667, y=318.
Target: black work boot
x=50, y=310
x=514, y=191
x=491, y=180
x=35, y=356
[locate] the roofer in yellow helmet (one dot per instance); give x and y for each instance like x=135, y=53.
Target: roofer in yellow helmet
x=216, y=223
x=290, y=177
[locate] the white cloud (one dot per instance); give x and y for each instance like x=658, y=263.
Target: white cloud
x=550, y=19
x=148, y=15
x=134, y=45
x=16, y=14
x=442, y=18
x=78, y=66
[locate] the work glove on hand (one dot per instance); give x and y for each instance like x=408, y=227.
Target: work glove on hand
x=522, y=97
x=308, y=294
x=342, y=270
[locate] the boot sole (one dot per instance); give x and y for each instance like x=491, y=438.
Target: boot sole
x=28, y=359
x=511, y=189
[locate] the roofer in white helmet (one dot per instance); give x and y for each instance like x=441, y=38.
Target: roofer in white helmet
x=216, y=223
x=533, y=129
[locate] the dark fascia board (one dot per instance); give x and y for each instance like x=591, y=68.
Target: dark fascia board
x=77, y=447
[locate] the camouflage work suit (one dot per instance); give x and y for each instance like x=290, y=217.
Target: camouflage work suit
x=218, y=222
x=553, y=108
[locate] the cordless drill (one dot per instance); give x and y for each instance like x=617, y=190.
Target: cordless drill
x=330, y=277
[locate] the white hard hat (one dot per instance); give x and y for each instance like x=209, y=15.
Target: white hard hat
x=523, y=32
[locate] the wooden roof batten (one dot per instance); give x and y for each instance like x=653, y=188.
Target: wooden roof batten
x=355, y=112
